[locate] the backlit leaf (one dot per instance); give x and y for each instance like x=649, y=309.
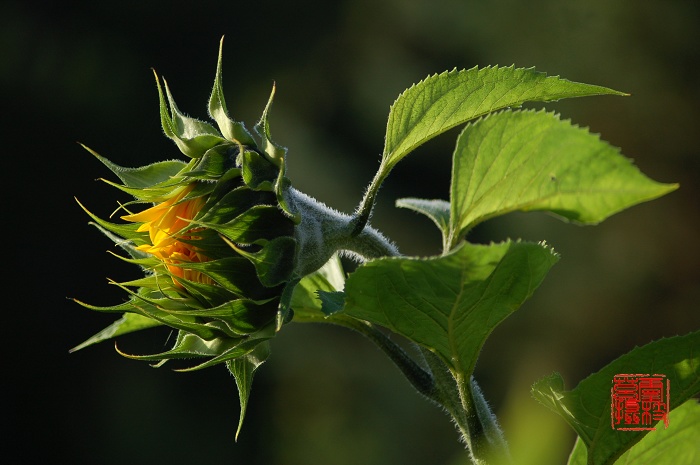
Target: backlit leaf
x=677, y=445
x=526, y=160
x=449, y=304
x=443, y=101
x=586, y=408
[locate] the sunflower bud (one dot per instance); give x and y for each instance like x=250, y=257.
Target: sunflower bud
x=223, y=240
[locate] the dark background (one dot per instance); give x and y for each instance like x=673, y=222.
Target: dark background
x=80, y=71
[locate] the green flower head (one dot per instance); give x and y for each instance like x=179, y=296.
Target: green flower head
x=215, y=238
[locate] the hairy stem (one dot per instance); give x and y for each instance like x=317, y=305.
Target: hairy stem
x=364, y=209
x=447, y=391
x=458, y=393
x=324, y=231
x=485, y=438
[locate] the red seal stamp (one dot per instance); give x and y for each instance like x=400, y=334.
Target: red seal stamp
x=638, y=401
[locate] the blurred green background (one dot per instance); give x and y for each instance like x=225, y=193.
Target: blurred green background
x=80, y=71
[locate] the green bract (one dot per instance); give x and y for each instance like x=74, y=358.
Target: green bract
x=225, y=296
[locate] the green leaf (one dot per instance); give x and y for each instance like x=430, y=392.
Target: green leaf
x=452, y=303
x=677, y=445
x=128, y=323
x=243, y=369
x=441, y=102
x=587, y=407
x=528, y=160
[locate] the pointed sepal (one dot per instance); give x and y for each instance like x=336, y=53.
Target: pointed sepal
x=192, y=136
x=232, y=130
x=243, y=369
x=275, y=151
x=128, y=323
